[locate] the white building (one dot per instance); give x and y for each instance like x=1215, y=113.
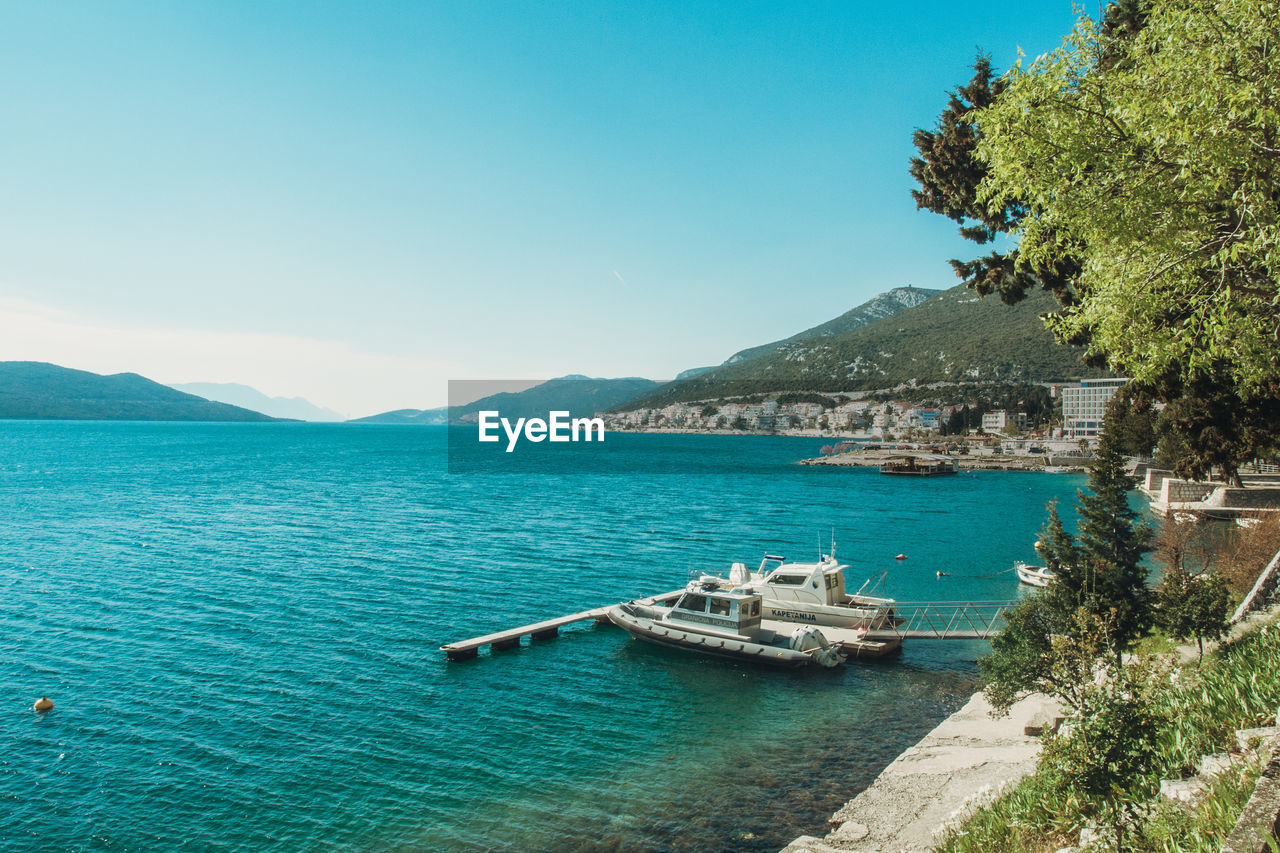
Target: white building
x=1000, y=421
x=1084, y=406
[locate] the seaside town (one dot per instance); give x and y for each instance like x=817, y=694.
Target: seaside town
x=1078, y=415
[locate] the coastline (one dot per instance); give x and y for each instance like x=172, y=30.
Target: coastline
x=967, y=462
x=968, y=758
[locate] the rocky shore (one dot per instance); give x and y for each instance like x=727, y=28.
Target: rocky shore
x=962, y=763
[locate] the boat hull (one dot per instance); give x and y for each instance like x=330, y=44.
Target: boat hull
x=1032, y=575
x=828, y=615
x=742, y=649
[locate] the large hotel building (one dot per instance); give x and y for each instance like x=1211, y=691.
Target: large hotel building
x=1084, y=406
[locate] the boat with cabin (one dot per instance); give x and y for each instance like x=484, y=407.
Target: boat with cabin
x=728, y=624
x=810, y=593
x=1033, y=575
x=920, y=465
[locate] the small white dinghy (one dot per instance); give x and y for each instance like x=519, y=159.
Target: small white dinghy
x=1033, y=575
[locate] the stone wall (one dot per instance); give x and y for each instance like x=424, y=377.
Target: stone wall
x=1184, y=491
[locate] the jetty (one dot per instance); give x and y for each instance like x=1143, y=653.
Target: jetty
x=939, y=620
x=512, y=637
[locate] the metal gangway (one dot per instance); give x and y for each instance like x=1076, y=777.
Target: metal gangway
x=945, y=620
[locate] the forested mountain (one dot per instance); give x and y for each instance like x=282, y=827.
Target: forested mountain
x=954, y=336
x=882, y=306
x=39, y=391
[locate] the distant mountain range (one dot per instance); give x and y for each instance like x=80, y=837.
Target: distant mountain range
x=580, y=396
x=293, y=408
x=949, y=336
x=39, y=391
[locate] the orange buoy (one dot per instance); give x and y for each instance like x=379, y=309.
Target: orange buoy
x=900, y=557
x=44, y=703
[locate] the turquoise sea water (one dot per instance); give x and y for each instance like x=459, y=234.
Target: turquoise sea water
x=239, y=625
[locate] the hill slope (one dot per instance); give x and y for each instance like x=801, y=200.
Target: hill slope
x=885, y=305
x=411, y=417
x=952, y=337
x=294, y=408
x=39, y=391
x=578, y=395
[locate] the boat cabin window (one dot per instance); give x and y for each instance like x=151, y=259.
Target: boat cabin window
x=719, y=607
x=788, y=580
x=750, y=609
x=696, y=603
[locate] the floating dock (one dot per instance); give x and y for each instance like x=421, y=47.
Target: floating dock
x=511, y=638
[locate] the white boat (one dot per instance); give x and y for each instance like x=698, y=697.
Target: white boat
x=809, y=593
x=728, y=624
x=1033, y=575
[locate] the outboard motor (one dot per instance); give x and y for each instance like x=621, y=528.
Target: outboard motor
x=810, y=639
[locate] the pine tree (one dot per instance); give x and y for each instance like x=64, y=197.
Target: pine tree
x=1113, y=542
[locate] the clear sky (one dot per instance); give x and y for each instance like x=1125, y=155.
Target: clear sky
x=357, y=201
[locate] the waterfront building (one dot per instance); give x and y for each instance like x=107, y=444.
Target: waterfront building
x=1084, y=406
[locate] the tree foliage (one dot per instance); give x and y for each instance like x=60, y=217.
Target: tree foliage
x=1099, y=577
x=1150, y=154
x=1112, y=543
x=1111, y=750
x=1135, y=170
x=1192, y=606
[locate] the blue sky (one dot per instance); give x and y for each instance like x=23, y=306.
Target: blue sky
x=355, y=202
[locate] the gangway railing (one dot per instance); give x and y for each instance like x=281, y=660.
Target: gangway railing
x=945, y=620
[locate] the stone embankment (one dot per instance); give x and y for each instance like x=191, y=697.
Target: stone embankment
x=967, y=462
x=966, y=760
x=1169, y=495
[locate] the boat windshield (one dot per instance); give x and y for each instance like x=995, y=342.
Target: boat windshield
x=788, y=580
x=689, y=601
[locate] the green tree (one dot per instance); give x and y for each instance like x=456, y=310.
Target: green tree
x=1192, y=606
x=1149, y=152
x=1099, y=578
x=1023, y=656
x=1132, y=418
x=1110, y=751
x=1112, y=544
x=950, y=176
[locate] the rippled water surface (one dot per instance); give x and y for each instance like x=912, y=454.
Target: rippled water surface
x=239, y=625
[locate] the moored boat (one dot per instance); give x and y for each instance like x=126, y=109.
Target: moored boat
x=1033, y=575
x=809, y=593
x=727, y=624
x=920, y=465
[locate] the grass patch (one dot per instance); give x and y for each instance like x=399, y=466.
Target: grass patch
x=1236, y=687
